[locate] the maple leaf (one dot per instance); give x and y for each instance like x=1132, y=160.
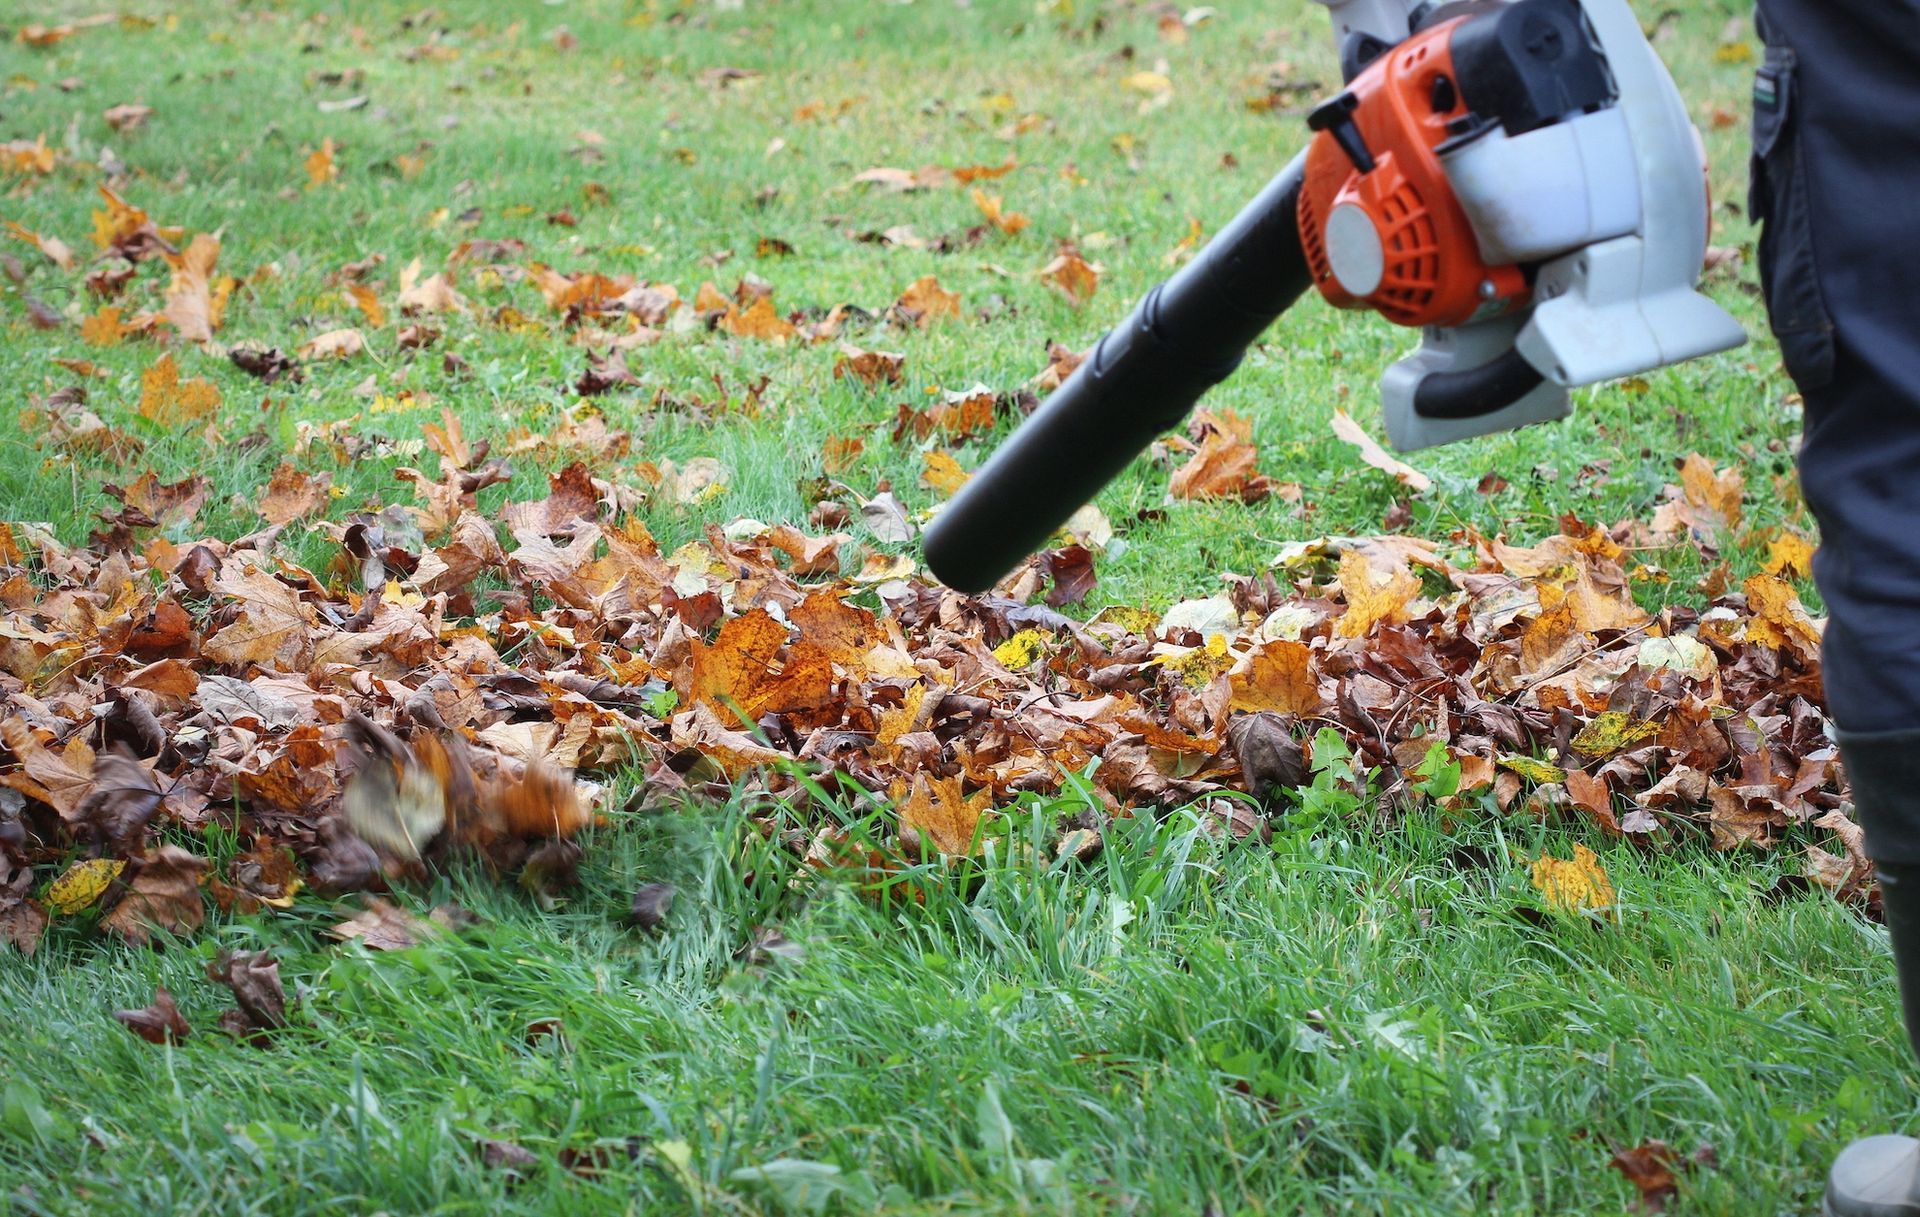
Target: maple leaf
x=1072, y=276
x=1779, y=620
x=941, y=473
x=1790, y=555
x=925, y=301
x=1577, y=885
x=127, y=118
x=54, y=249
x=291, y=494
x=433, y=294
x=385, y=926
x=758, y=321
x=272, y=630
x=196, y=303
x=1372, y=598
x=104, y=328
x=170, y=401
x=260, y=1001
x=741, y=675
x=936, y=816
x=1223, y=464
x=61, y=780
x=1277, y=676
x=364, y=299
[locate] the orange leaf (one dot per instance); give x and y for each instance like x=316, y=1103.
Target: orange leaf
x=939, y=817
x=1277, y=676
x=759, y=321
x=170, y=401
x=1072, y=276
x=928, y=301
x=320, y=165
x=368, y=304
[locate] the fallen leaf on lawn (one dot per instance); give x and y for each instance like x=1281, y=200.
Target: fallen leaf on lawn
x=160, y=1023
x=292, y=494
x=196, y=301
x=650, y=906
x=363, y=298
x=127, y=117
x=1072, y=276
x=83, y=883
x=1277, y=676
x=334, y=344
x=941, y=473
x=1779, y=619
x=869, y=367
x=1612, y=731
x=170, y=401
x=1061, y=362
x=104, y=328
x=1008, y=222
x=758, y=321
x=1372, y=597
x=320, y=165
x=886, y=518
x=1223, y=464
x=935, y=815
x=1573, y=885
x=433, y=294
x=163, y=893
x=1790, y=555
x=1373, y=454
x=926, y=301
x=54, y=249
x=385, y=926
x=260, y=1001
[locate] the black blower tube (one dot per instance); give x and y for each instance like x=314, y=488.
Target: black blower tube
x=1186, y=336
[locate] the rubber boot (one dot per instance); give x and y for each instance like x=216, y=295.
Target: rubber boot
x=1880, y=1176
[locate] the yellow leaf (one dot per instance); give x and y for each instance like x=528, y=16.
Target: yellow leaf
x=82, y=883
x=940, y=816
x=1022, y=649
x=1790, y=555
x=1371, y=601
x=942, y=473
x=1572, y=886
x=1779, y=619
x=1610, y=732
x=1532, y=770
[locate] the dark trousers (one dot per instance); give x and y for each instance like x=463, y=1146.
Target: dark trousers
x=1836, y=185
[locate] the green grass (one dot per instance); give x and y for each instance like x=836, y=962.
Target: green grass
x=1350, y=1019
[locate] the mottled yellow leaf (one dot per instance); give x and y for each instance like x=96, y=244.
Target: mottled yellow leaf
x=1572, y=885
x=82, y=883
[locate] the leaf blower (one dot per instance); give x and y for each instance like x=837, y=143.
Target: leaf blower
x=1519, y=179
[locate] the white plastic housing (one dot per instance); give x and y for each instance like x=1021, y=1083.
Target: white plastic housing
x=1536, y=195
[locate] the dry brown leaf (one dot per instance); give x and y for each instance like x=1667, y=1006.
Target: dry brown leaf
x=334, y=344
x=1373, y=454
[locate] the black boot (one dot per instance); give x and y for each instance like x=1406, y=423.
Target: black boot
x=1880, y=1176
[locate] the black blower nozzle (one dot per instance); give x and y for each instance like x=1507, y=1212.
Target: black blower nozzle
x=1186, y=336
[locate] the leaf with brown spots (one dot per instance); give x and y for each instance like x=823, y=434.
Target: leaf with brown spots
x=162, y=893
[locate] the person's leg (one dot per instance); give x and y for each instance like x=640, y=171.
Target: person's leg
x=1836, y=184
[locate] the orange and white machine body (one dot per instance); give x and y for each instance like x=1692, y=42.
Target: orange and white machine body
x=1524, y=185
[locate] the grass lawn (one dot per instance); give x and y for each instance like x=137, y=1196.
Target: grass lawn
x=1351, y=1017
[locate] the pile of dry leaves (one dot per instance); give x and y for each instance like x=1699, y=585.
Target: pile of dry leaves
x=441, y=683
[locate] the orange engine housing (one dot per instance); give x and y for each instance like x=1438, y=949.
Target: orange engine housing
x=1431, y=272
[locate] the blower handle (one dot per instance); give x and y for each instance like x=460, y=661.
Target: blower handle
x=1186, y=336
